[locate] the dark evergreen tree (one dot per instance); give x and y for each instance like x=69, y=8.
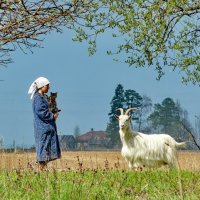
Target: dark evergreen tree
x=144, y=111
x=197, y=128
x=132, y=99
x=117, y=100
x=166, y=117
x=112, y=126
x=186, y=131
x=122, y=99
x=77, y=131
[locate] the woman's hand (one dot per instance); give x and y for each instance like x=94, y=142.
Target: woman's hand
x=55, y=116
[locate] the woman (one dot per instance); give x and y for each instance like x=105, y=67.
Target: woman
x=45, y=130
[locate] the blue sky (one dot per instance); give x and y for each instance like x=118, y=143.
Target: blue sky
x=85, y=86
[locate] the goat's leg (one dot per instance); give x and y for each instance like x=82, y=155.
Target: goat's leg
x=172, y=162
x=171, y=158
x=138, y=167
x=130, y=165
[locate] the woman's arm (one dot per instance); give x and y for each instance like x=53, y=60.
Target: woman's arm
x=42, y=110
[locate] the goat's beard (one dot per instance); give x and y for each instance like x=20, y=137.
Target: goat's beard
x=124, y=128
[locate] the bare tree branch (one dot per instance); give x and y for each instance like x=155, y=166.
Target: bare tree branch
x=23, y=22
x=191, y=134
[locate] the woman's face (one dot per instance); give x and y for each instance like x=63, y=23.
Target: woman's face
x=45, y=89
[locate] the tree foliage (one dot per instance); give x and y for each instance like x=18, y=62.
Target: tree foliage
x=144, y=111
x=166, y=116
x=169, y=117
x=77, y=131
x=197, y=128
x=117, y=100
x=112, y=126
x=132, y=99
x=155, y=33
x=121, y=99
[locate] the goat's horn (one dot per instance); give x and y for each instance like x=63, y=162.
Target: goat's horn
x=121, y=110
x=129, y=109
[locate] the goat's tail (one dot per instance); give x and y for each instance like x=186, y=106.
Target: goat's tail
x=181, y=144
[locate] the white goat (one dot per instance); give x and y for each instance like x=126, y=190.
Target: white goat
x=142, y=150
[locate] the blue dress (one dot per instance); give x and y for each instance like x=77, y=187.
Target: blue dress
x=45, y=130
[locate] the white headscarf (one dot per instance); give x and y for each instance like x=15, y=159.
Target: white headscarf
x=37, y=84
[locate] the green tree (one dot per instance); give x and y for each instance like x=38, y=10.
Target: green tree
x=133, y=100
x=166, y=117
x=117, y=100
x=112, y=126
x=143, y=113
x=77, y=131
x=197, y=128
x=155, y=33
x=122, y=99
x=186, y=131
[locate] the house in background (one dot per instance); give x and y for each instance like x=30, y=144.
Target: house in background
x=92, y=140
x=67, y=142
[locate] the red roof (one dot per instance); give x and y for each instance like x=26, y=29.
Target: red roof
x=90, y=135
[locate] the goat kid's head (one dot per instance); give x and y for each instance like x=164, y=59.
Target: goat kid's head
x=124, y=118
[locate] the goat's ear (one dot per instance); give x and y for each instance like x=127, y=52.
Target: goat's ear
x=121, y=111
x=129, y=117
x=117, y=117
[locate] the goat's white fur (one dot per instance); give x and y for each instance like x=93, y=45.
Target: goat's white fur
x=142, y=150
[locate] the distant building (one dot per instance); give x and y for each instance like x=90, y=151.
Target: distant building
x=92, y=140
x=67, y=142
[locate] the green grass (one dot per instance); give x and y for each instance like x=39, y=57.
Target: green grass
x=97, y=184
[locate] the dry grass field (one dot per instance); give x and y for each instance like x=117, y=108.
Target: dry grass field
x=76, y=160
